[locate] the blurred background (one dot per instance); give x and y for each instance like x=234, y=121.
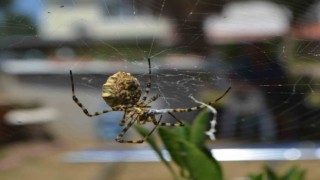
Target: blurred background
x=267, y=51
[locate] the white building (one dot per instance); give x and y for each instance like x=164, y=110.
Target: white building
x=69, y=20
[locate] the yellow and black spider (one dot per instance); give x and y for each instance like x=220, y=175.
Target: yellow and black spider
x=122, y=92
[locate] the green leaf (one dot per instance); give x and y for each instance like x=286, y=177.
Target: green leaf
x=200, y=166
x=199, y=127
x=294, y=173
x=198, y=136
x=151, y=141
x=183, y=132
x=209, y=155
x=256, y=177
x=271, y=174
x=171, y=141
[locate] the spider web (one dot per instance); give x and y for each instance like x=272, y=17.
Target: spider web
x=274, y=77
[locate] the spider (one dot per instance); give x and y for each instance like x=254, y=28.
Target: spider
x=122, y=92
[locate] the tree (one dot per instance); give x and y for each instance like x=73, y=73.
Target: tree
x=14, y=24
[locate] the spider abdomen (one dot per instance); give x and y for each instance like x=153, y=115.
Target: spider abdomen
x=121, y=89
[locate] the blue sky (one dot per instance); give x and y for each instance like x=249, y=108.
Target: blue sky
x=30, y=8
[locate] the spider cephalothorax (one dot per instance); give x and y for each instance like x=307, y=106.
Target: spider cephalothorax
x=122, y=92
x=121, y=89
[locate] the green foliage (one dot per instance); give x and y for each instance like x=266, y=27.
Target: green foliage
x=2, y=153
x=143, y=132
x=256, y=177
x=198, y=163
x=5, y=4
x=186, y=147
x=171, y=142
x=294, y=173
x=14, y=23
x=17, y=25
x=200, y=125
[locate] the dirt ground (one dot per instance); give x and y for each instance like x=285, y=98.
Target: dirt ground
x=43, y=160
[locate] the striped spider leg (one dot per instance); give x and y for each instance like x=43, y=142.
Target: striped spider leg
x=154, y=98
x=134, y=118
x=179, y=110
x=84, y=109
x=148, y=87
x=122, y=92
x=140, y=117
x=200, y=106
